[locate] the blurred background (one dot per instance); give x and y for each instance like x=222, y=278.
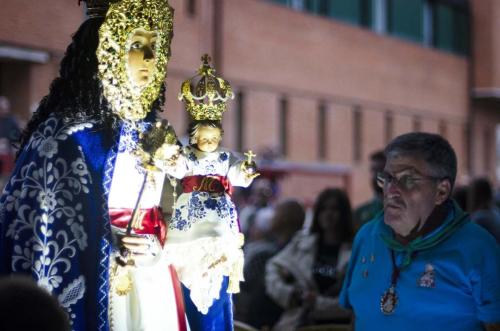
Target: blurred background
x=320, y=84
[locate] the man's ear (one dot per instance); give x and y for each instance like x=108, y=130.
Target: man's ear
x=443, y=191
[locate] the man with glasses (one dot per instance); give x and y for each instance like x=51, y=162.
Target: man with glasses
x=421, y=264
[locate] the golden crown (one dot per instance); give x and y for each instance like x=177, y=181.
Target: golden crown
x=205, y=95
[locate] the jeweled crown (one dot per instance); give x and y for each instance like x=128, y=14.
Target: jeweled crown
x=205, y=95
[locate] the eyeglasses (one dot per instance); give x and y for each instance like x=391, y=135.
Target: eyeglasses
x=404, y=182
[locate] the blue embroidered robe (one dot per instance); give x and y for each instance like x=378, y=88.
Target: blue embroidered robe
x=54, y=222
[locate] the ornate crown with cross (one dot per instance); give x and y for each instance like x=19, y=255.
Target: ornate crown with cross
x=205, y=95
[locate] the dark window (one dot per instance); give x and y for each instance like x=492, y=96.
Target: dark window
x=357, y=131
x=389, y=126
x=283, y=126
x=191, y=7
x=322, y=130
x=314, y=6
x=405, y=18
x=282, y=2
x=352, y=11
x=240, y=119
x=451, y=28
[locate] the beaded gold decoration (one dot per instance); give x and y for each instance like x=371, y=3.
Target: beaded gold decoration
x=128, y=100
x=205, y=95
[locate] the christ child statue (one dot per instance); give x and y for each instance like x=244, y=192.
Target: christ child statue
x=204, y=240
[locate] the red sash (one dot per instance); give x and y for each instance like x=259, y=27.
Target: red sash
x=211, y=184
x=152, y=221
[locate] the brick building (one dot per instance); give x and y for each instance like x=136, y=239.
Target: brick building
x=320, y=83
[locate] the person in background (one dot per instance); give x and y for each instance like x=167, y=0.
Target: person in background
x=3, y=177
x=306, y=276
x=368, y=210
x=261, y=194
x=9, y=135
x=277, y=226
x=460, y=196
x=9, y=129
x=482, y=207
x=26, y=306
x=421, y=264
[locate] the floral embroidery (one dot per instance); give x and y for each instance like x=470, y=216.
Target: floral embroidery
x=80, y=235
x=195, y=207
x=43, y=245
x=211, y=204
x=47, y=148
x=223, y=156
x=210, y=169
x=79, y=167
x=47, y=200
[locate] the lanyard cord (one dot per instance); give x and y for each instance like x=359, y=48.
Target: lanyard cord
x=396, y=270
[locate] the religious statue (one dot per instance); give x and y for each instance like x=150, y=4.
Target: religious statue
x=77, y=179
x=204, y=240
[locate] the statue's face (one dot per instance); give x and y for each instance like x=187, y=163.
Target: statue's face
x=141, y=56
x=208, y=138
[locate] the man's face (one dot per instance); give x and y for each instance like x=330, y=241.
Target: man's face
x=141, y=56
x=411, y=193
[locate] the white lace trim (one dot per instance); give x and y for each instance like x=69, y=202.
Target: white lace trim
x=201, y=265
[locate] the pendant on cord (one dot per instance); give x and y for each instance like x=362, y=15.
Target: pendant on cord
x=388, y=301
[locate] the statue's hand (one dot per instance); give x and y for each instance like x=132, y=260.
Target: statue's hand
x=250, y=169
x=166, y=156
x=143, y=249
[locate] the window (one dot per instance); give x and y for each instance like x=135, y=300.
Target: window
x=405, y=19
x=283, y=111
x=191, y=7
x=451, y=30
x=282, y=2
x=353, y=11
x=322, y=130
x=357, y=131
x=240, y=119
x=443, y=24
x=315, y=6
x=389, y=126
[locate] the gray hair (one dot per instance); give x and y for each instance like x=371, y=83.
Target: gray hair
x=432, y=148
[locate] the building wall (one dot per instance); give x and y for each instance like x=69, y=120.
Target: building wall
x=486, y=25
x=311, y=60
x=269, y=52
x=40, y=26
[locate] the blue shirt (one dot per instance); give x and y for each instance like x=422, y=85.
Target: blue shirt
x=454, y=285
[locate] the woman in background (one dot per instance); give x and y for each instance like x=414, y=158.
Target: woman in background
x=305, y=278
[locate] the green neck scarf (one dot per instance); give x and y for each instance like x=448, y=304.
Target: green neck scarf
x=422, y=242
